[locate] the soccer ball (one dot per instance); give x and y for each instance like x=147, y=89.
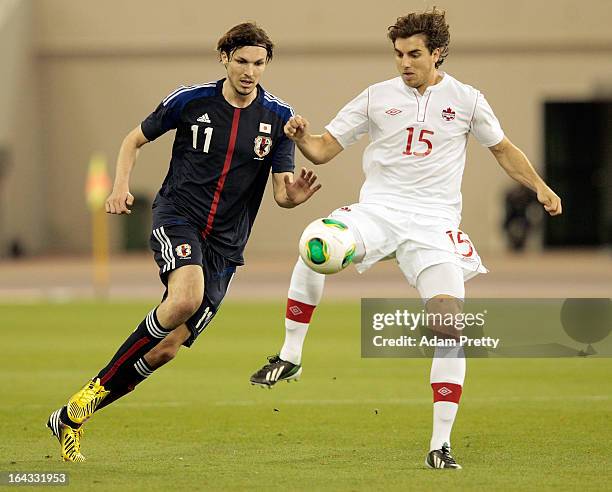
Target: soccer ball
x=327, y=246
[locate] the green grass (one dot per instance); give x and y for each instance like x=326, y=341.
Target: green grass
x=349, y=424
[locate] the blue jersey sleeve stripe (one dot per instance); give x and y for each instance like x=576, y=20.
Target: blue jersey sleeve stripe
x=276, y=98
x=184, y=89
x=180, y=88
x=277, y=102
x=273, y=98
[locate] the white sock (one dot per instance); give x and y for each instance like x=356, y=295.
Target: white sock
x=444, y=413
x=447, y=378
x=295, y=333
x=305, y=292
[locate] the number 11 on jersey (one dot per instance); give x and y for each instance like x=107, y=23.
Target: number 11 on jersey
x=207, y=132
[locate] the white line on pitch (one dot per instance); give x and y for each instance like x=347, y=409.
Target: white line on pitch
x=365, y=401
x=414, y=401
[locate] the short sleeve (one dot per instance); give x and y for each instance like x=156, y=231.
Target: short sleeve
x=485, y=126
x=351, y=122
x=283, y=158
x=163, y=119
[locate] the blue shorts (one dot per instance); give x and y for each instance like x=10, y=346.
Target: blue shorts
x=178, y=244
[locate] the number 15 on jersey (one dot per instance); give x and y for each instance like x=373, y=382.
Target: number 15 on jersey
x=422, y=139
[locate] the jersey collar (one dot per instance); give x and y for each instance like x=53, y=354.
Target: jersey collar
x=260, y=94
x=432, y=88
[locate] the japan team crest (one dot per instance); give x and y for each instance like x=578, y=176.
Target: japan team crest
x=448, y=114
x=183, y=251
x=262, y=146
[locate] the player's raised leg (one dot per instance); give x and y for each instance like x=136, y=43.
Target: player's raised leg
x=129, y=366
x=305, y=292
x=443, y=288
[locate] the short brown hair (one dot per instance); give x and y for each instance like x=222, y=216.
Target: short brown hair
x=431, y=23
x=245, y=34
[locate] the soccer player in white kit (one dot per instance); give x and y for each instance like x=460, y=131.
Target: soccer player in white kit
x=410, y=203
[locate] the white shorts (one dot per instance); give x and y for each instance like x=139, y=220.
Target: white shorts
x=416, y=241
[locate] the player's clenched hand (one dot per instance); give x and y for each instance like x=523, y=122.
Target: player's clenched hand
x=303, y=187
x=550, y=200
x=119, y=202
x=296, y=128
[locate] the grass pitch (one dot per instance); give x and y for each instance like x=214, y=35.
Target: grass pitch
x=349, y=424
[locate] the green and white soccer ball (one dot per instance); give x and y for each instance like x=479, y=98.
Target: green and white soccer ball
x=327, y=246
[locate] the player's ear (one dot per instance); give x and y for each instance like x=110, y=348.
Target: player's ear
x=224, y=58
x=436, y=54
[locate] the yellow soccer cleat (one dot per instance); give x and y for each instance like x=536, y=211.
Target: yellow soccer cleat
x=69, y=438
x=83, y=404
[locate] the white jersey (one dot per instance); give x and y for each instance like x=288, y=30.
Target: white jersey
x=417, y=149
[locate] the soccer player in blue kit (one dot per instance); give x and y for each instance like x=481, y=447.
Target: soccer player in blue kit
x=229, y=136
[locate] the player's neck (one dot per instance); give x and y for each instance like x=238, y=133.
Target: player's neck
x=236, y=99
x=433, y=79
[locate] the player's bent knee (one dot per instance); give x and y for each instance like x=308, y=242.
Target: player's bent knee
x=444, y=304
x=186, y=283
x=184, y=307
x=443, y=307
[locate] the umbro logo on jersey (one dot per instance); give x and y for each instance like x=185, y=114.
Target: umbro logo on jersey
x=448, y=114
x=393, y=111
x=204, y=118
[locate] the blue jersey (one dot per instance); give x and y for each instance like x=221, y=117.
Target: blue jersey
x=221, y=160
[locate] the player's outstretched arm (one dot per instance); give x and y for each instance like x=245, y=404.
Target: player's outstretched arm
x=290, y=192
x=120, y=198
x=518, y=167
x=318, y=149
